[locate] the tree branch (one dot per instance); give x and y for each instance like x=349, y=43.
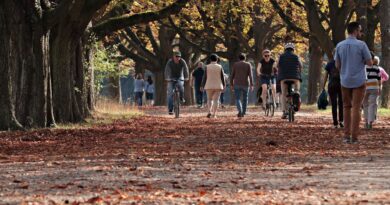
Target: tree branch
x=116, y=23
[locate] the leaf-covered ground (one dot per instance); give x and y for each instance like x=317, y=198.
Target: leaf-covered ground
x=156, y=159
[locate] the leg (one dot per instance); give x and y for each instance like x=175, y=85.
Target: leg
x=365, y=107
x=333, y=98
x=340, y=104
x=170, y=96
x=209, y=101
x=245, y=91
x=181, y=89
x=357, y=100
x=216, y=96
x=198, y=95
x=264, y=94
x=237, y=93
x=273, y=87
x=284, y=94
x=347, y=106
x=372, y=105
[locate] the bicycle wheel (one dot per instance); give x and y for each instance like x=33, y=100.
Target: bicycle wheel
x=271, y=110
x=290, y=113
x=177, y=104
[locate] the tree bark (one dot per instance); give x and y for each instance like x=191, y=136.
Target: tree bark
x=160, y=88
x=315, y=65
x=385, y=30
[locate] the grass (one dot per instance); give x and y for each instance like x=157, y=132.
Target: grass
x=106, y=111
x=382, y=112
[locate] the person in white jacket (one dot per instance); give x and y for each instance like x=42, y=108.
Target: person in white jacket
x=214, y=83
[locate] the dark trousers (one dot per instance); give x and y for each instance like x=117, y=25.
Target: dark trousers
x=337, y=103
x=222, y=98
x=198, y=95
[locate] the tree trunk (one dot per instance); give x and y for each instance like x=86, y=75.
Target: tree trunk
x=314, y=78
x=26, y=60
x=385, y=30
x=160, y=89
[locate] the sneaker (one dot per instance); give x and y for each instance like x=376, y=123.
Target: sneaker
x=284, y=116
x=209, y=115
x=347, y=139
x=336, y=126
x=341, y=125
x=170, y=113
x=182, y=100
x=239, y=115
x=223, y=106
x=354, y=140
x=199, y=106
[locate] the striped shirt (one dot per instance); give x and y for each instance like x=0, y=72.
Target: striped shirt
x=373, y=77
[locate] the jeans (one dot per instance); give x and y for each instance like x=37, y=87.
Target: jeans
x=198, y=95
x=138, y=98
x=241, y=107
x=352, y=101
x=222, y=98
x=370, y=105
x=337, y=102
x=170, y=92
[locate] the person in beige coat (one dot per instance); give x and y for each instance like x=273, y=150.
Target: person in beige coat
x=214, y=83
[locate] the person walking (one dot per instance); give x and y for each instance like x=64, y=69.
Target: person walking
x=289, y=69
x=213, y=82
x=149, y=91
x=197, y=77
x=351, y=57
x=176, y=72
x=241, y=80
x=334, y=90
x=139, y=85
x=373, y=85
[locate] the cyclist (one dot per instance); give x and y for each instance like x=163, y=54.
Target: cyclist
x=176, y=71
x=289, y=69
x=266, y=70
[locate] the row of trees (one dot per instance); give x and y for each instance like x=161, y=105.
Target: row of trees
x=46, y=74
x=47, y=54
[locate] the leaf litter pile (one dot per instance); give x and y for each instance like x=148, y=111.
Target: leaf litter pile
x=156, y=159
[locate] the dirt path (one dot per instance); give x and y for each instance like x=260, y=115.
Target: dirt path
x=156, y=159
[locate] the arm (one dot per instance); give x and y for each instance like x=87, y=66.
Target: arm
x=325, y=79
x=258, y=69
x=367, y=55
x=185, y=71
x=233, y=75
x=167, y=72
x=223, y=78
x=204, y=79
x=250, y=75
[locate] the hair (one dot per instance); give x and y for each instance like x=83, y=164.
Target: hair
x=150, y=80
x=266, y=51
x=242, y=57
x=213, y=57
x=376, y=60
x=138, y=76
x=352, y=27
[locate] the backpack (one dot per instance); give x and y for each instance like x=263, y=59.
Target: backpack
x=322, y=101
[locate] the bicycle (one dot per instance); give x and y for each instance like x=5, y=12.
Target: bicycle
x=270, y=101
x=292, y=101
x=176, y=98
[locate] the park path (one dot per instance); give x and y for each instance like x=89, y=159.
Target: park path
x=156, y=159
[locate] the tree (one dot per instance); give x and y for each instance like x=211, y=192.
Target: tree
x=385, y=32
x=44, y=58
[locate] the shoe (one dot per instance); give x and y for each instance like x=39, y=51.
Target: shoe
x=239, y=115
x=336, y=126
x=170, y=113
x=341, y=125
x=354, y=140
x=209, y=115
x=223, y=106
x=347, y=140
x=182, y=100
x=199, y=106
x=284, y=116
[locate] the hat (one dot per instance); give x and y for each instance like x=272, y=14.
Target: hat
x=289, y=45
x=177, y=53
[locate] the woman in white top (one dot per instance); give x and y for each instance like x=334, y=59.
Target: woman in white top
x=213, y=82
